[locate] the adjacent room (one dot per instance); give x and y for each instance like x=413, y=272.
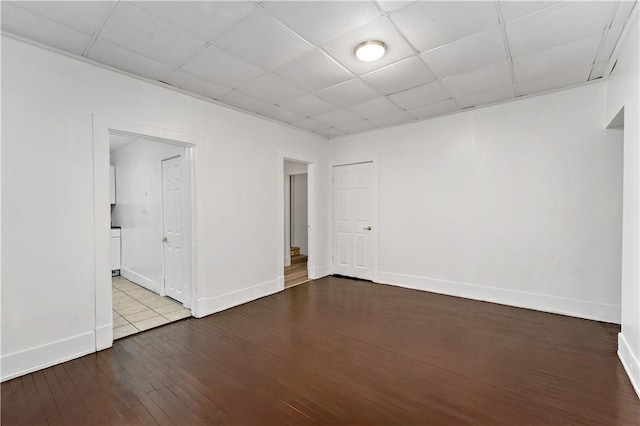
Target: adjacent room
x=320, y=212
x=148, y=205
x=296, y=223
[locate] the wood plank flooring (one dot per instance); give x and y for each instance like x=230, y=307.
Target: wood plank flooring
x=339, y=351
x=295, y=274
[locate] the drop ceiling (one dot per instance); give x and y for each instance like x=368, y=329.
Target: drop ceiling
x=293, y=61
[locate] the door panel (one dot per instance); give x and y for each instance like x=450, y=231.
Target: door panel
x=351, y=222
x=172, y=203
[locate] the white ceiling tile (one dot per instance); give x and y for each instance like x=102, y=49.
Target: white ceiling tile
x=321, y=21
x=575, y=56
x=245, y=102
x=440, y=108
x=406, y=74
x=419, y=96
x=331, y=132
x=598, y=70
x=271, y=89
x=494, y=75
x=568, y=21
x=429, y=24
x=196, y=84
x=309, y=105
x=337, y=117
x=84, y=16
x=486, y=97
x=126, y=60
x=467, y=54
x=516, y=9
x=375, y=108
x=553, y=82
x=314, y=71
x=356, y=127
x=606, y=49
x=311, y=125
x=349, y=93
x=622, y=13
x=218, y=66
x=381, y=29
x=143, y=32
x=281, y=114
x=391, y=5
x=206, y=19
x=260, y=39
x=34, y=27
x=403, y=117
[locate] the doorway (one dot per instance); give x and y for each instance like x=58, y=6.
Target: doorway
x=150, y=211
x=296, y=223
x=297, y=175
x=103, y=129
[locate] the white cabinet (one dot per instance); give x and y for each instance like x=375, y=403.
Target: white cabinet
x=112, y=195
x=115, y=255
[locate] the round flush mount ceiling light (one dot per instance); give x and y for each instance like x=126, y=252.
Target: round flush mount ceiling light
x=370, y=50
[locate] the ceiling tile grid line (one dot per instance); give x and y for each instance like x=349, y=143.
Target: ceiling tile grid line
x=282, y=61
x=605, y=33
x=415, y=50
x=97, y=32
x=505, y=37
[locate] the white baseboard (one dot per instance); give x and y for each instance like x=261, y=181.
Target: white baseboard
x=280, y=282
x=229, y=300
x=104, y=336
x=33, y=359
x=521, y=299
x=141, y=280
x=322, y=271
x=629, y=362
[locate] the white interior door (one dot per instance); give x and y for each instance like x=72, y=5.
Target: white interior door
x=173, y=207
x=352, y=209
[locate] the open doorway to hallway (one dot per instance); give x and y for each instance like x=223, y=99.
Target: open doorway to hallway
x=151, y=199
x=296, y=228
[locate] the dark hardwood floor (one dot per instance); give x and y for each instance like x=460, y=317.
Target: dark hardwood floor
x=343, y=351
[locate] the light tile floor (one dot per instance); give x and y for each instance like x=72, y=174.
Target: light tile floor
x=136, y=309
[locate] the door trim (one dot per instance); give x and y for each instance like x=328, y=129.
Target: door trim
x=312, y=261
x=345, y=160
x=194, y=144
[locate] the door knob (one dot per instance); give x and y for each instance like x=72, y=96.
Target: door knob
x=164, y=239
x=368, y=228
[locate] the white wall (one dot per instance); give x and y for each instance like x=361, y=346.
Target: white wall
x=518, y=203
x=623, y=92
x=48, y=99
x=138, y=212
x=299, y=232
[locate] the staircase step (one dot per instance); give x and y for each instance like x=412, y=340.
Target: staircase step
x=295, y=251
x=301, y=258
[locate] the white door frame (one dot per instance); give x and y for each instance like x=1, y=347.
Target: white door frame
x=102, y=128
x=311, y=163
x=345, y=160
